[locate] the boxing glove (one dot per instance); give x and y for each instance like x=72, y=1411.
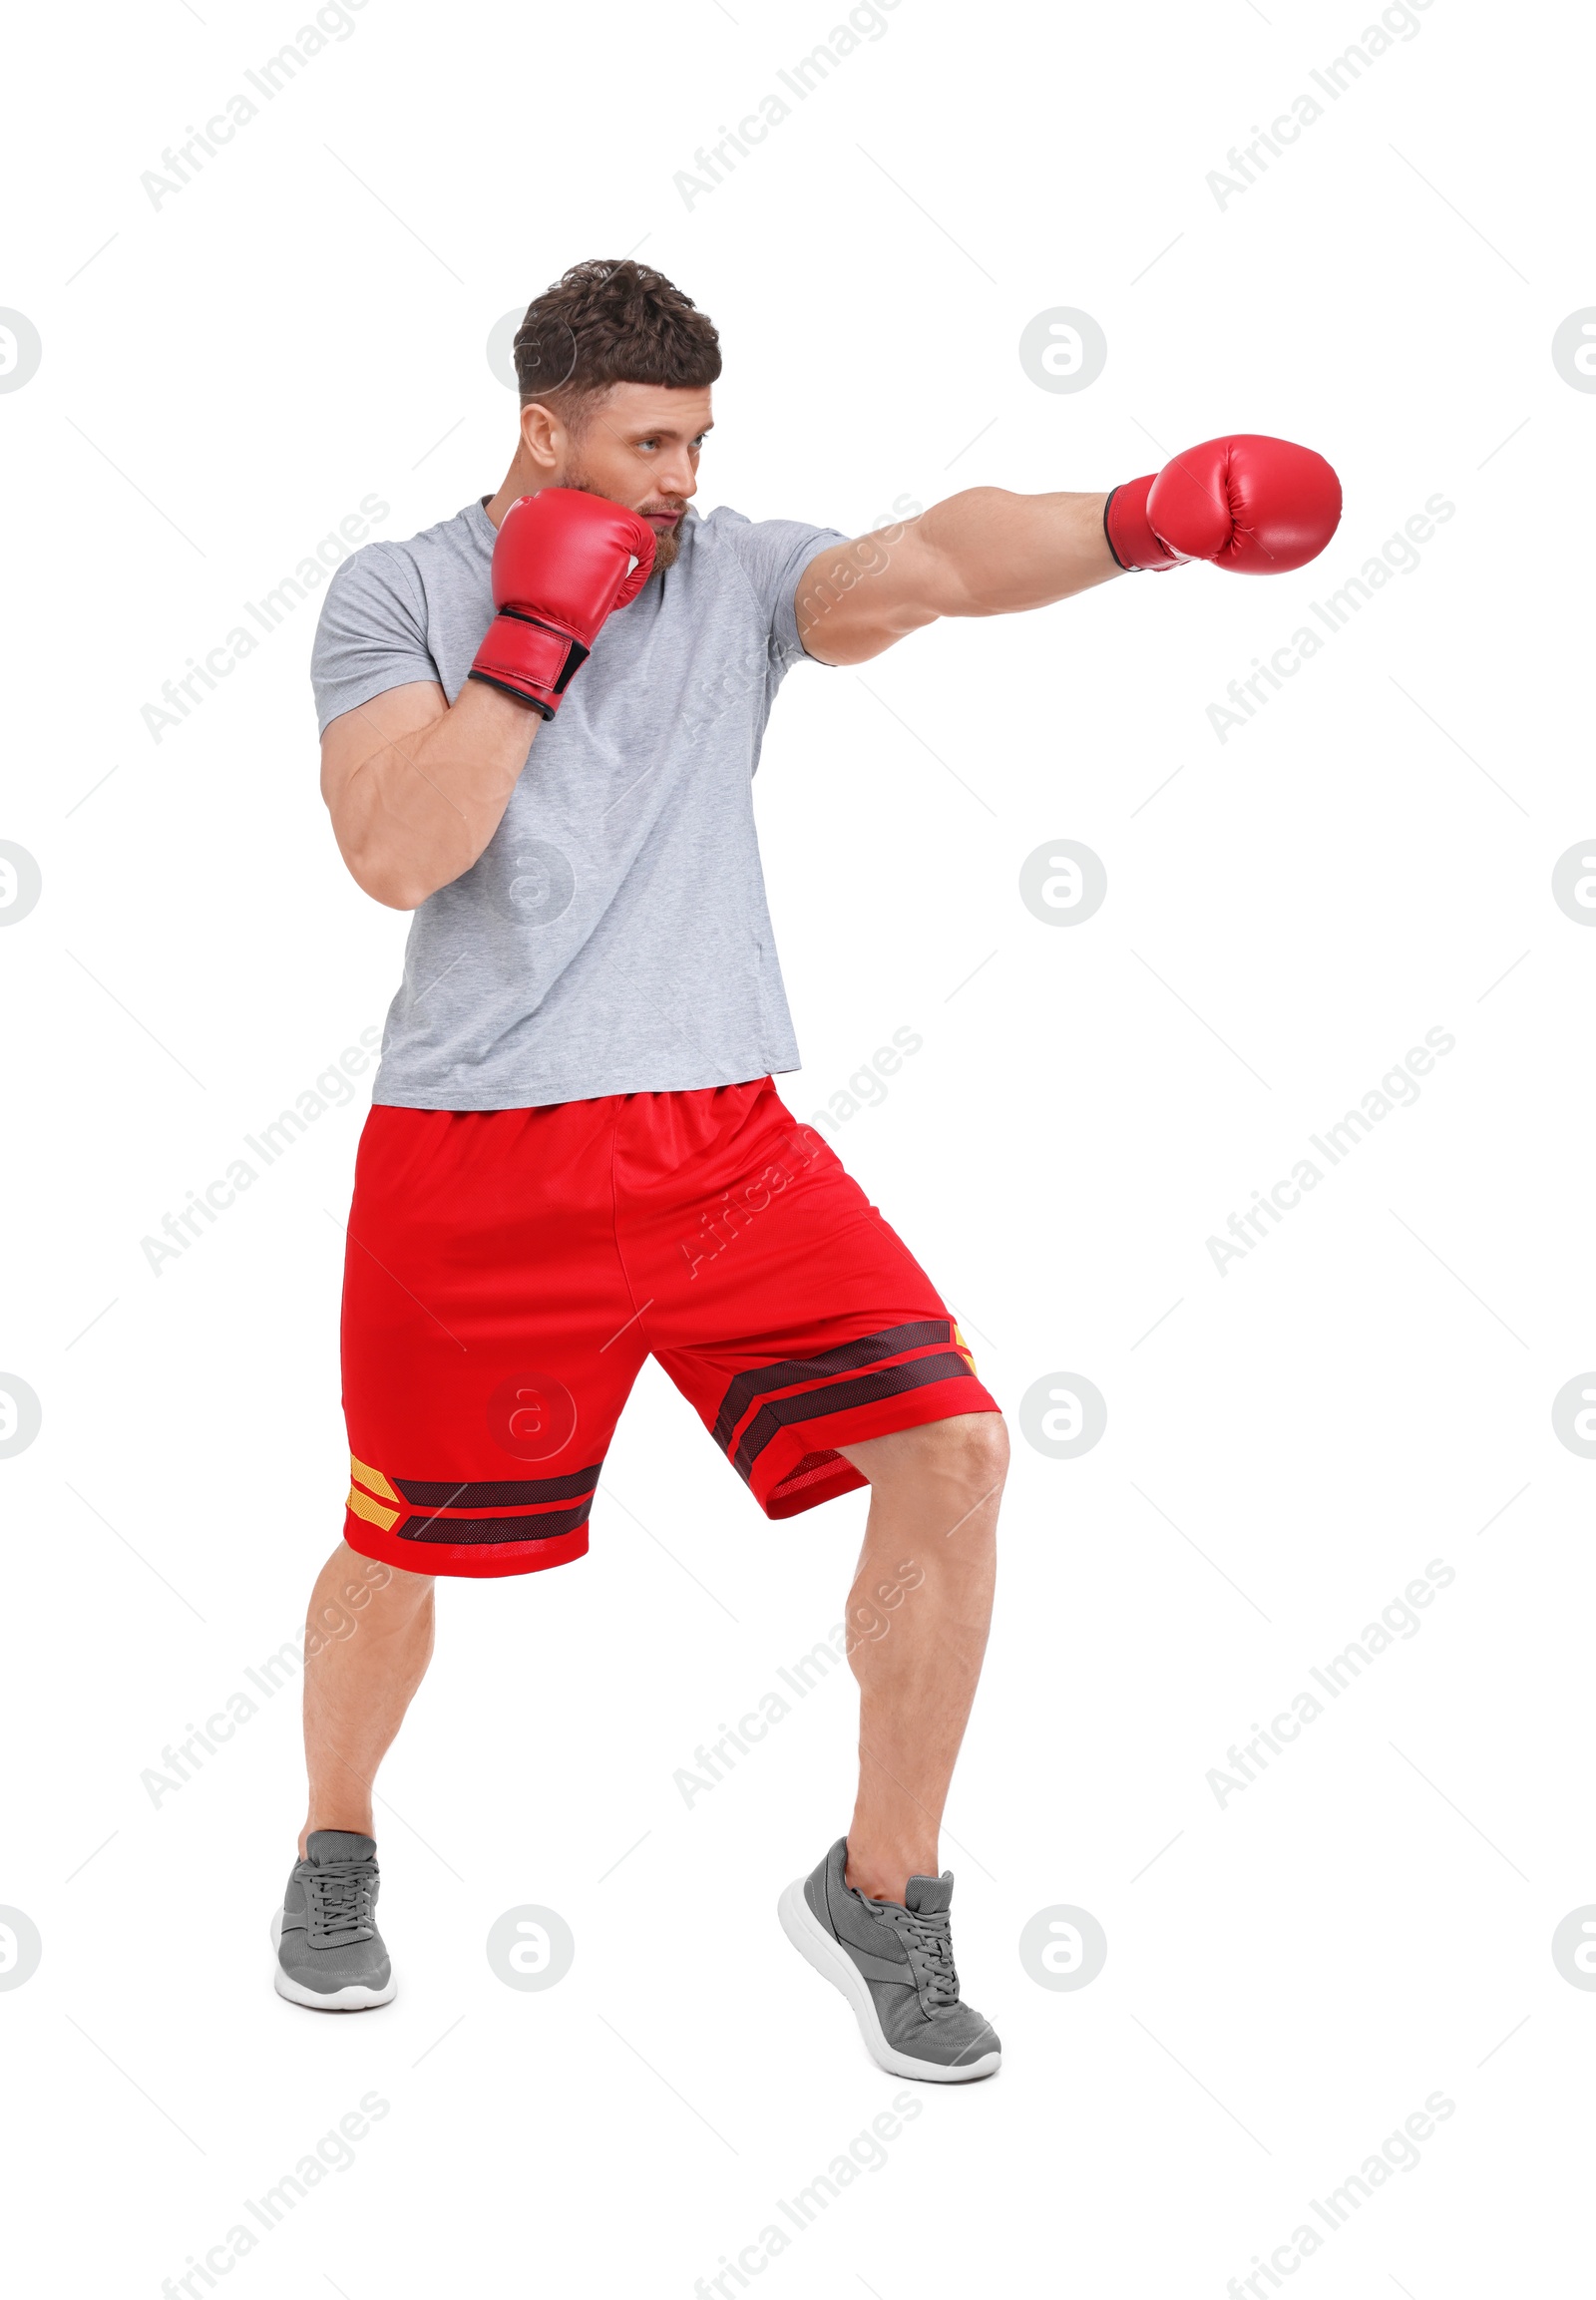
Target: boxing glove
x=564, y=562
x=1253, y=505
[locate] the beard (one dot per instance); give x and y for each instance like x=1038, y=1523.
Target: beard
x=666, y=546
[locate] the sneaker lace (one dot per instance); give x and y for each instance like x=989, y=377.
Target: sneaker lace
x=930, y=1943
x=341, y=1896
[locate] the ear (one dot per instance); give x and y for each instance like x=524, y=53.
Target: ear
x=542, y=435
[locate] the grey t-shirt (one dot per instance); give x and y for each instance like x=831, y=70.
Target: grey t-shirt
x=614, y=937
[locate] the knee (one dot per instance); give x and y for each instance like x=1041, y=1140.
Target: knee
x=967, y=1459
x=397, y=1591
x=958, y=1463
x=354, y=1586
x=969, y=1452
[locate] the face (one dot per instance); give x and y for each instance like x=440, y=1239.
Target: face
x=639, y=446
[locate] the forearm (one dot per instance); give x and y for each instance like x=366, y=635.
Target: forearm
x=991, y=553
x=419, y=811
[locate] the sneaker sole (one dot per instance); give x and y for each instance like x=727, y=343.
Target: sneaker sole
x=813, y=1943
x=354, y=1997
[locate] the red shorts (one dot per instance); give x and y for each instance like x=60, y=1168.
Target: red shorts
x=508, y=1271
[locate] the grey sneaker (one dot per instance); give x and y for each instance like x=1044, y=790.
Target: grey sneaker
x=329, y=1952
x=894, y=1965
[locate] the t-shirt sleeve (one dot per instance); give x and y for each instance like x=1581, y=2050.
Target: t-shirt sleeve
x=773, y=553
x=372, y=635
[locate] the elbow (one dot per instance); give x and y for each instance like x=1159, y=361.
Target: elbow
x=386, y=881
x=398, y=897
x=384, y=859
x=392, y=891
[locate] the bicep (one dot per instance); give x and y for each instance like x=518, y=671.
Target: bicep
x=355, y=737
x=856, y=598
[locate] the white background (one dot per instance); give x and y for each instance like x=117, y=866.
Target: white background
x=1370, y=858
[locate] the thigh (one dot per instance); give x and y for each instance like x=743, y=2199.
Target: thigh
x=488, y=1337
x=791, y=1315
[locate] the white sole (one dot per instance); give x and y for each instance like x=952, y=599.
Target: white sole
x=812, y=1941
x=355, y=1998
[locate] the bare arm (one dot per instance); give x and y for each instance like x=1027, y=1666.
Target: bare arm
x=983, y=553
x=417, y=786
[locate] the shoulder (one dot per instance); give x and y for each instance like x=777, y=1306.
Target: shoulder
x=406, y=559
x=769, y=551
x=735, y=530
x=376, y=586
x=719, y=529
x=398, y=572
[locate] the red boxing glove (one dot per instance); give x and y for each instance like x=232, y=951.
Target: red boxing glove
x=1253, y=505
x=564, y=560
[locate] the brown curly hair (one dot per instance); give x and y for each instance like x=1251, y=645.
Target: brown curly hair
x=606, y=322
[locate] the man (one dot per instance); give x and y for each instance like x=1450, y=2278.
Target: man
x=576, y=1156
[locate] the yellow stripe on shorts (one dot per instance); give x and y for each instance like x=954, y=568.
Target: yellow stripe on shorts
x=372, y=1479
x=372, y=1511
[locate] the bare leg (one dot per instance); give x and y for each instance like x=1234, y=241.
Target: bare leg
x=368, y=1640
x=917, y=1615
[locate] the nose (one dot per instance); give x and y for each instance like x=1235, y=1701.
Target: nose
x=676, y=477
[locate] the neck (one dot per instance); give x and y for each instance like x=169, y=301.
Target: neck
x=520, y=479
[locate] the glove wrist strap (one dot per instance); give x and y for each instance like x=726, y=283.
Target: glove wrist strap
x=528, y=659
x=1128, y=532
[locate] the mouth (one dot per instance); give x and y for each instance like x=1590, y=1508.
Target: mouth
x=665, y=519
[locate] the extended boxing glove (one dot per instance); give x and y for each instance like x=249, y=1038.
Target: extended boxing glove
x=1254, y=504
x=563, y=563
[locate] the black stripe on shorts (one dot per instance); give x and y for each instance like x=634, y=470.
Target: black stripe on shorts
x=467, y=1531
x=867, y=1349
x=838, y=1397
x=514, y=1493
